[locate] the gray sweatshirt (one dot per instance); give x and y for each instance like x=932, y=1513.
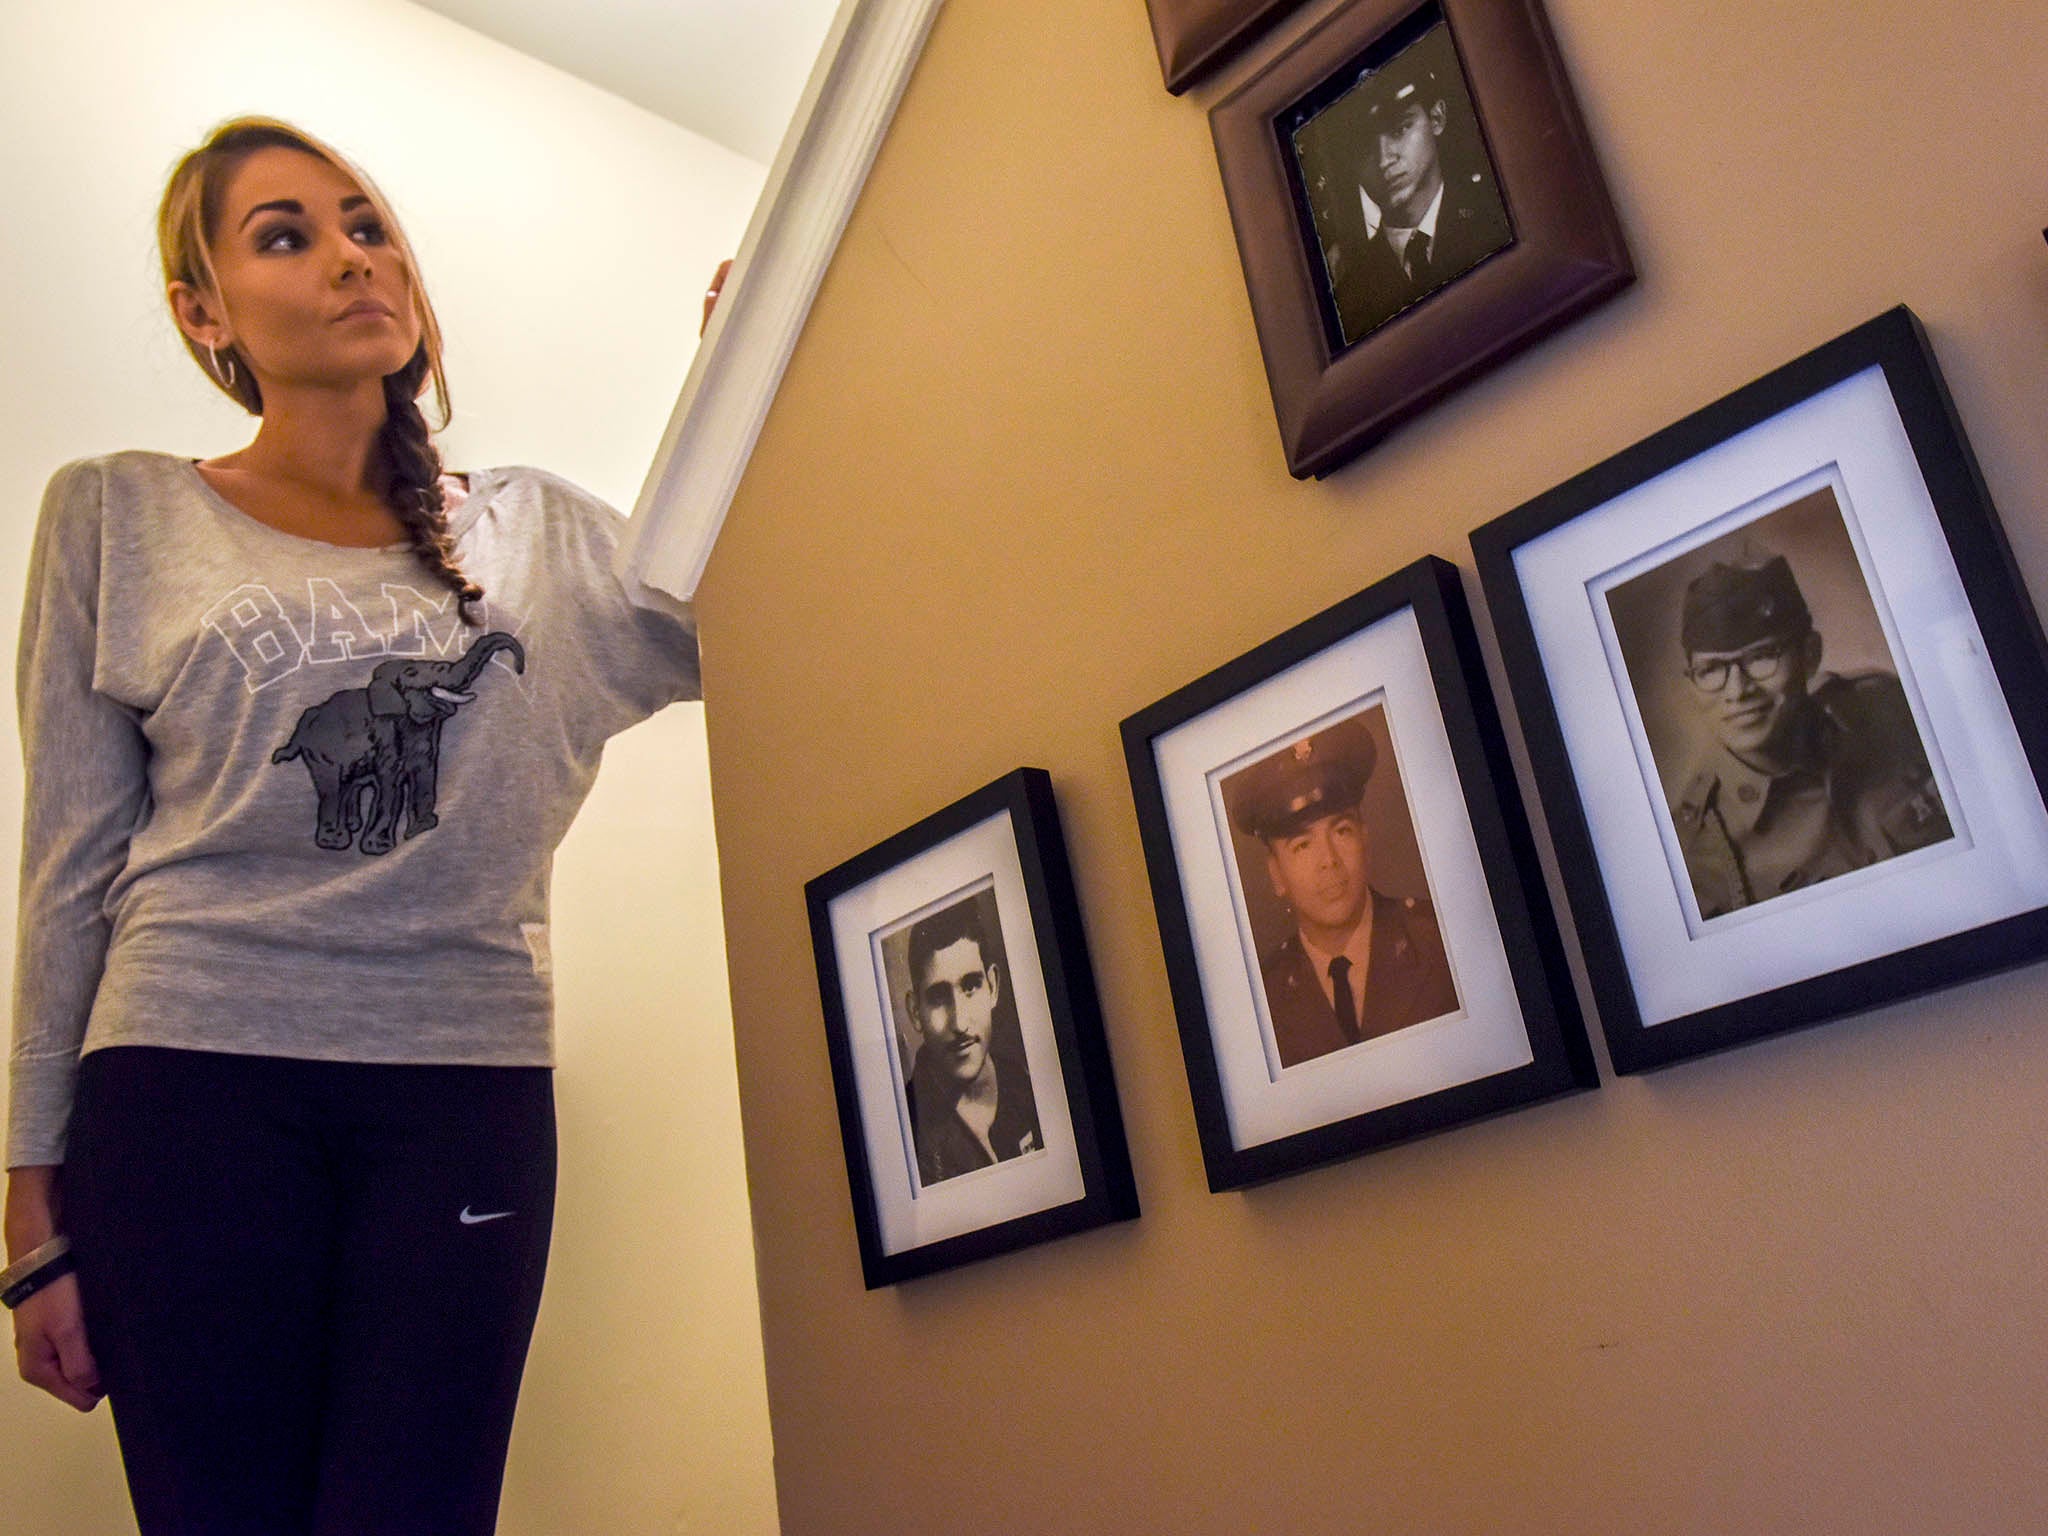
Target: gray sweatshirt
x=280, y=801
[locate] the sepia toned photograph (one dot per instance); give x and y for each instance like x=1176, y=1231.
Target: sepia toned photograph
x=1394, y=171
x=966, y=1076
x=1786, y=703
x=1785, y=744
x=1337, y=900
x=1348, y=897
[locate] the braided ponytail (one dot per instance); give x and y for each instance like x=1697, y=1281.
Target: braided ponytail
x=411, y=473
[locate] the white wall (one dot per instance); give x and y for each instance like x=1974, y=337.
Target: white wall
x=566, y=237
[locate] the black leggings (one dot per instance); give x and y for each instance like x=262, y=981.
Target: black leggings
x=310, y=1285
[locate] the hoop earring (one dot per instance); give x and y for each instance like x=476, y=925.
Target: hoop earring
x=227, y=378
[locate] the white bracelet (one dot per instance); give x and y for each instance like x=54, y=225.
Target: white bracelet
x=34, y=1270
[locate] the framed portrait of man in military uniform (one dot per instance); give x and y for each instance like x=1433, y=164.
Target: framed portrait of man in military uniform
x=1394, y=172
x=1784, y=696
x=1353, y=922
x=1789, y=741
x=1335, y=891
x=976, y=1102
x=1415, y=198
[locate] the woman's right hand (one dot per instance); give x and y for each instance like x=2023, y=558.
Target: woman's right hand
x=49, y=1327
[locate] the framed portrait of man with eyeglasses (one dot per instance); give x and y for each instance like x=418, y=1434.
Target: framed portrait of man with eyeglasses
x=1786, y=702
x=1786, y=744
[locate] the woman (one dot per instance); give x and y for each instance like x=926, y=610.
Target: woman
x=303, y=727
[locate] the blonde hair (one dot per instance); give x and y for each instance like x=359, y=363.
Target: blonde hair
x=187, y=221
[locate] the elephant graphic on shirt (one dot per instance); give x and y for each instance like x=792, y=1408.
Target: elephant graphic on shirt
x=375, y=752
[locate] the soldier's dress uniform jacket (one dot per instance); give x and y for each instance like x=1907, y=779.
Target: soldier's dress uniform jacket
x=1407, y=980
x=1866, y=795
x=1369, y=282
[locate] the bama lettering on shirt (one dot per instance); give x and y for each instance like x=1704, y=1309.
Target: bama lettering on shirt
x=271, y=641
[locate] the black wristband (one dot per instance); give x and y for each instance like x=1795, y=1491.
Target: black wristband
x=35, y=1280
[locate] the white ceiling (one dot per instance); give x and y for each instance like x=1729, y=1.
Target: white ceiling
x=731, y=70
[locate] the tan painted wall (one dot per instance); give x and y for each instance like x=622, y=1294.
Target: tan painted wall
x=1022, y=479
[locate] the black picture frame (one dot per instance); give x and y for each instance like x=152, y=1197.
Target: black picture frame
x=1334, y=397
x=1686, y=952
x=916, y=1208
x=1514, y=1035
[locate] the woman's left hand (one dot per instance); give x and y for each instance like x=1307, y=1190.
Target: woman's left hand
x=50, y=1346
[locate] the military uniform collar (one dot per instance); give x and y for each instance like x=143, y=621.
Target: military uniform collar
x=1743, y=795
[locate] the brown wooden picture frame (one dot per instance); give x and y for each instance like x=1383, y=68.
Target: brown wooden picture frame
x=1194, y=36
x=1566, y=255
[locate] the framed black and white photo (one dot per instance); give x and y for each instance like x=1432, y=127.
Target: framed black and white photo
x=1786, y=701
x=976, y=1101
x=1354, y=925
x=1415, y=199
x=1401, y=192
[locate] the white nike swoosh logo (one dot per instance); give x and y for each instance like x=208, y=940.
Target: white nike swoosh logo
x=470, y=1218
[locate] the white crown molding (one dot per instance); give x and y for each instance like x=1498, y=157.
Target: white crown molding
x=811, y=189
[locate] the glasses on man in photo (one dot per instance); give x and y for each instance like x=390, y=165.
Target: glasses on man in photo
x=1757, y=664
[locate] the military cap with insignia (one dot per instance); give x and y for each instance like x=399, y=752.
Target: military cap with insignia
x=1401, y=82
x=1728, y=607
x=1317, y=776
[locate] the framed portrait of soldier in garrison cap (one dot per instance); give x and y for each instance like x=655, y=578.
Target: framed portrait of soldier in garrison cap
x=1353, y=922
x=1788, y=738
x=1786, y=702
